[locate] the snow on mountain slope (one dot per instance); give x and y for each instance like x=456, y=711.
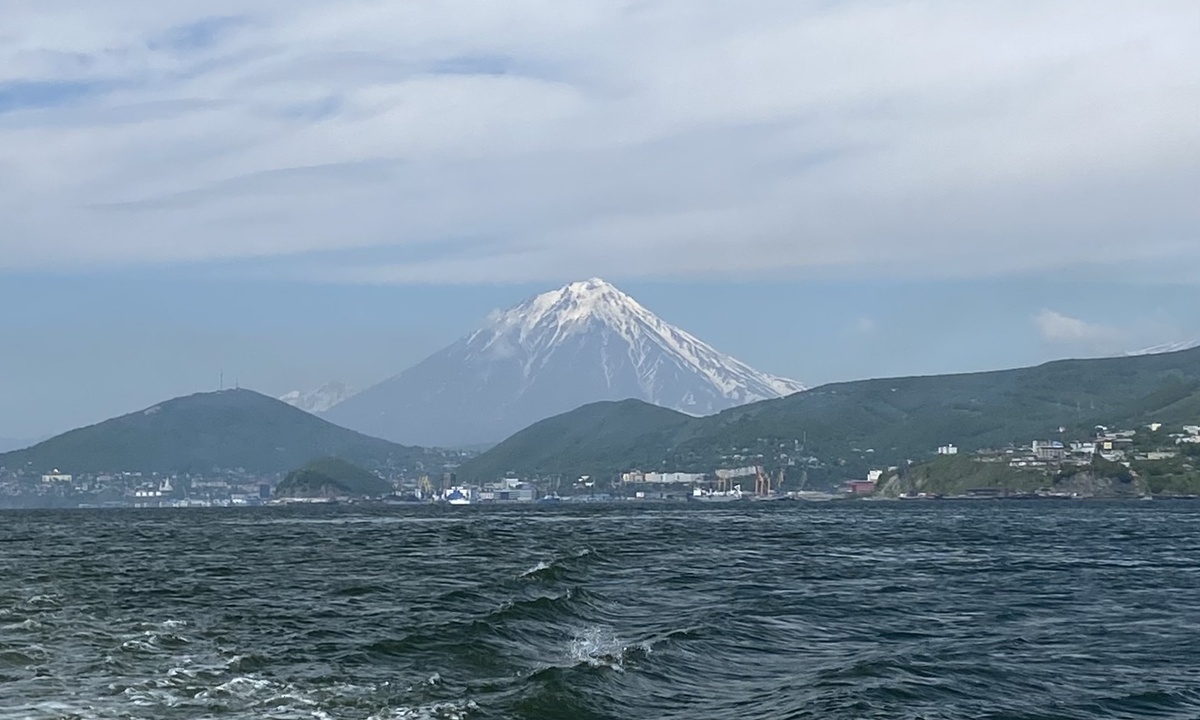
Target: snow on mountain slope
x=1165, y=348
x=540, y=328
x=319, y=400
x=582, y=343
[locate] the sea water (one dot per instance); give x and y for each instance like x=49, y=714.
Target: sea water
x=742, y=610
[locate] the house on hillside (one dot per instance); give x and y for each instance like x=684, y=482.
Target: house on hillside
x=1049, y=450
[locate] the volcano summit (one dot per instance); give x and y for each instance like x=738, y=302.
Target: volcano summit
x=579, y=344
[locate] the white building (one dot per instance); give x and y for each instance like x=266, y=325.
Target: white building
x=675, y=478
x=56, y=477
x=947, y=450
x=656, y=478
x=742, y=472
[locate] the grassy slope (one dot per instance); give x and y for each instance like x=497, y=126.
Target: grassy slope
x=230, y=429
x=958, y=474
x=962, y=474
x=900, y=416
x=601, y=438
x=897, y=418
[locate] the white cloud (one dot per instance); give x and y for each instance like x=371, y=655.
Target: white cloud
x=529, y=140
x=1054, y=327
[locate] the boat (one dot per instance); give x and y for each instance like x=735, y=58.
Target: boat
x=704, y=495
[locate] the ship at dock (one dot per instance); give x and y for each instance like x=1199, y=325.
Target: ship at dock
x=730, y=495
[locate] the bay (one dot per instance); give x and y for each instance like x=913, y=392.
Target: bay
x=743, y=610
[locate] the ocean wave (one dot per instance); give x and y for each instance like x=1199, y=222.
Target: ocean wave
x=599, y=647
x=561, y=567
x=542, y=566
x=433, y=711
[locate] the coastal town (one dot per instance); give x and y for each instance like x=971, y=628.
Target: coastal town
x=1152, y=460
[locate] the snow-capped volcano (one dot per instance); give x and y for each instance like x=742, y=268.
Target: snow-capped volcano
x=582, y=343
x=541, y=329
x=319, y=400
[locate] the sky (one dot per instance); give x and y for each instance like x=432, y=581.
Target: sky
x=293, y=193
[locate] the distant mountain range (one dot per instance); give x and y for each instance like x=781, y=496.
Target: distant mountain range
x=582, y=343
x=221, y=430
x=840, y=430
x=319, y=400
x=833, y=431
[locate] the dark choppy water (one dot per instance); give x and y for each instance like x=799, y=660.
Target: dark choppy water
x=868, y=610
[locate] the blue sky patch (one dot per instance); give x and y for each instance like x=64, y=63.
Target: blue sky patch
x=199, y=35
x=31, y=95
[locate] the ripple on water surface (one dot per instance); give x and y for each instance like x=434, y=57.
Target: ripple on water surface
x=937, y=610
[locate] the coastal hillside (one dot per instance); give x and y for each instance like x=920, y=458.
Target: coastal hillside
x=220, y=430
x=332, y=478
x=837, y=430
x=965, y=475
x=600, y=438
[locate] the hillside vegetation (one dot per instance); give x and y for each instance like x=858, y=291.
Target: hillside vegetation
x=332, y=477
x=220, y=430
x=964, y=475
x=839, y=430
x=602, y=437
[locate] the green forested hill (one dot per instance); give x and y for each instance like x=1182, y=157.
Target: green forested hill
x=903, y=416
x=332, y=477
x=602, y=437
x=872, y=422
x=199, y=433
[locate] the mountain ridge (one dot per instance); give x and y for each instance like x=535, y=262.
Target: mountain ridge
x=225, y=430
x=851, y=426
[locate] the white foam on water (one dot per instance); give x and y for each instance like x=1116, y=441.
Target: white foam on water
x=433, y=711
x=598, y=647
x=138, y=645
x=182, y=672
x=239, y=687
x=542, y=565
x=352, y=520
x=26, y=624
